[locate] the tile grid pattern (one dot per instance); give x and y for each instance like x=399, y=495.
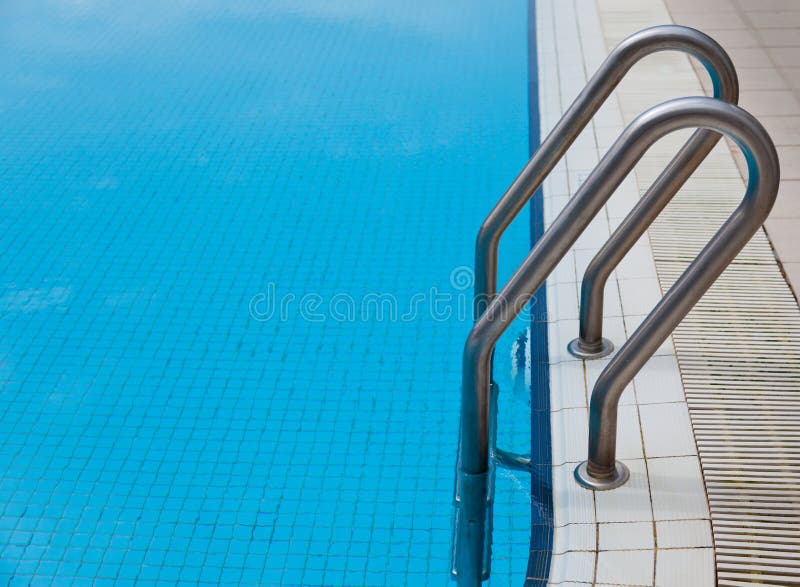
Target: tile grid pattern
x=634, y=535
x=163, y=163
x=743, y=394
x=763, y=38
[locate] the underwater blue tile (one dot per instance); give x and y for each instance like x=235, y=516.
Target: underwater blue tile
x=137, y=384
x=148, y=573
x=333, y=577
x=230, y=575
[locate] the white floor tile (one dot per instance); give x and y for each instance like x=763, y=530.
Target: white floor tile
x=560, y=334
x=564, y=272
x=612, y=304
x=595, y=234
x=562, y=300
x=629, y=503
x=682, y=567
x=629, y=434
x=621, y=567
x=571, y=503
x=554, y=206
x=638, y=262
x=678, y=490
x=684, y=534
x=639, y=296
x=632, y=322
x=582, y=156
x=567, y=386
x=667, y=430
x=572, y=566
x=630, y=536
x=659, y=381
x=594, y=368
x=627, y=194
x=575, y=537
x=570, y=435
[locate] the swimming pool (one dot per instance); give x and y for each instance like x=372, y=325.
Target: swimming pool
x=235, y=287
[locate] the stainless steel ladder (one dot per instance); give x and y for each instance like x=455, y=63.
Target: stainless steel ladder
x=495, y=312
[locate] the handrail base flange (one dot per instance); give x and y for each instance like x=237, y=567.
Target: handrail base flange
x=576, y=349
x=584, y=479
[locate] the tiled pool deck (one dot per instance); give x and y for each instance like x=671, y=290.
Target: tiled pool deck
x=763, y=38
x=634, y=534
x=656, y=530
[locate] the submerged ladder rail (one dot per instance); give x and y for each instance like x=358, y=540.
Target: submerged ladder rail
x=475, y=472
x=601, y=470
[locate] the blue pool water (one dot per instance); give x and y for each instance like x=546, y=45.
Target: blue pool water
x=170, y=174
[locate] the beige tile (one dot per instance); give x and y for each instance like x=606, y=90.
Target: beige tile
x=766, y=5
x=790, y=162
x=788, y=202
x=770, y=102
x=733, y=38
x=708, y=5
x=785, y=56
x=779, y=37
x=784, y=130
x=784, y=233
x=708, y=20
x=792, y=76
x=750, y=57
x=775, y=19
x=761, y=78
x=792, y=271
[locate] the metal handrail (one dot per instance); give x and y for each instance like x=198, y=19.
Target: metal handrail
x=473, y=474
x=624, y=56
x=602, y=471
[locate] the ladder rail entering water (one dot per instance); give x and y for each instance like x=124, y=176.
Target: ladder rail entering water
x=601, y=470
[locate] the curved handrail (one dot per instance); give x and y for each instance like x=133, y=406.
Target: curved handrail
x=590, y=343
x=601, y=471
x=552, y=246
x=624, y=56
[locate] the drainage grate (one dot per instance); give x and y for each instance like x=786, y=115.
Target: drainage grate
x=739, y=355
